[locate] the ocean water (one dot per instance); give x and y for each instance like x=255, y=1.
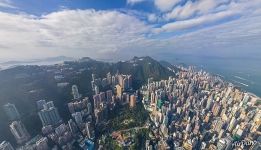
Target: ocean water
x=244, y=72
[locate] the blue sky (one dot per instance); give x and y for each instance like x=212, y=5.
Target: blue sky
x=124, y=28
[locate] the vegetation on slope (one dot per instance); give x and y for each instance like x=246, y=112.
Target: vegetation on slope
x=24, y=85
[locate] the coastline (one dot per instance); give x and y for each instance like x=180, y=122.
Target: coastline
x=239, y=84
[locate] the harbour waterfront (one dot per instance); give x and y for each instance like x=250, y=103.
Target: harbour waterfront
x=244, y=72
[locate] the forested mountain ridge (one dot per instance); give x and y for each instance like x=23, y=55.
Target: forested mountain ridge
x=24, y=85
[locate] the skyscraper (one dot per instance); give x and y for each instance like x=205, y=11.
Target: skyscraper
x=216, y=109
x=42, y=144
x=225, y=143
x=11, y=112
x=109, y=96
x=75, y=92
x=218, y=125
x=129, y=81
x=125, y=83
x=102, y=96
x=96, y=89
x=40, y=104
x=19, y=131
x=96, y=101
x=109, y=80
x=246, y=98
x=125, y=98
x=104, y=82
x=89, y=131
x=232, y=124
x=221, y=145
x=98, y=115
x=209, y=103
x=118, y=91
x=6, y=146
x=49, y=114
x=77, y=117
x=93, y=77
x=71, y=107
x=120, y=78
x=113, y=81
x=89, y=107
x=149, y=82
x=72, y=126
x=152, y=98
x=132, y=101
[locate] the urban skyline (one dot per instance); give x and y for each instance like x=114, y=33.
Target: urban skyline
x=190, y=110
x=130, y=74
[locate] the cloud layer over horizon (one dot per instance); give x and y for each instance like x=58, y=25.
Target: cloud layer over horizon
x=208, y=27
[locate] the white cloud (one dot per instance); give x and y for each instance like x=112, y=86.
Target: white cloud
x=165, y=5
x=204, y=7
x=6, y=4
x=132, y=2
x=194, y=8
x=206, y=12
x=196, y=22
x=152, y=18
x=69, y=32
x=113, y=34
x=236, y=38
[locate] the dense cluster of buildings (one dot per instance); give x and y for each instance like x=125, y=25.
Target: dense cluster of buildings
x=56, y=134
x=119, y=91
x=17, y=128
x=195, y=110
x=20, y=133
x=124, y=81
x=85, y=114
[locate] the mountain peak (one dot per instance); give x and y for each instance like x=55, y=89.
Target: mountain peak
x=144, y=58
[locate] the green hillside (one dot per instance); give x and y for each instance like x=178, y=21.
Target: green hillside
x=24, y=85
